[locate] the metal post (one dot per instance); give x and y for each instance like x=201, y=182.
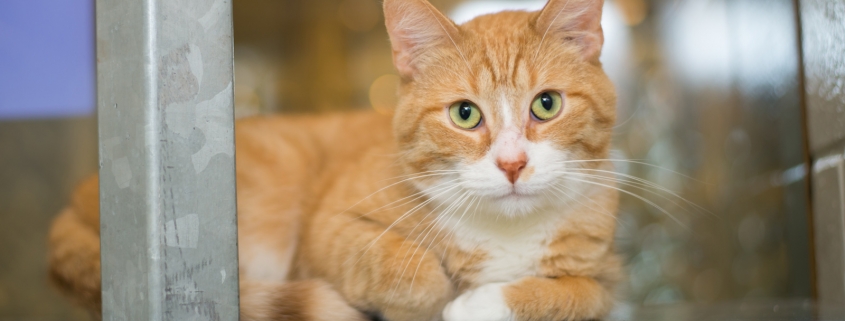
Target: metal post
x=167, y=180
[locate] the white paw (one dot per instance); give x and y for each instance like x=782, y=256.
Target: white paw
x=486, y=303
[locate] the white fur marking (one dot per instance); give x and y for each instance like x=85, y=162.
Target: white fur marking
x=514, y=246
x=267, y=264
x=513, y=229
x=486, y=303
x=507, y=116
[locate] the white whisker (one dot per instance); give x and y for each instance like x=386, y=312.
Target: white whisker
x=602, y=211
x=405, y=256
x=449, y=211
x=388, y=186
x=629, y=161
x=416, y=196
x=402, y=217
x=644, y=185
x=634, y=195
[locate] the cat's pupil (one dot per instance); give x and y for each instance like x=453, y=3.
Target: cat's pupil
x=546, y=101
x=465, y=111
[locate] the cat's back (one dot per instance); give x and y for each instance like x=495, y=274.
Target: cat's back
x=295, y=157
x=286, y=147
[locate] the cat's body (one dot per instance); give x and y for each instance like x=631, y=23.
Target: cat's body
x=424, y=219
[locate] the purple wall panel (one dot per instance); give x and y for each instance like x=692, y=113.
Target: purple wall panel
x=46, y=58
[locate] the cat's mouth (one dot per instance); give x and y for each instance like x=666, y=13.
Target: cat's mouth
x=515, y=194
x=515, y=202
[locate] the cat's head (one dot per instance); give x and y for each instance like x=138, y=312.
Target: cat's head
x=498, y=109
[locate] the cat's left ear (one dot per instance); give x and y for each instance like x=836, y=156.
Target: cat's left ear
x=578, y=21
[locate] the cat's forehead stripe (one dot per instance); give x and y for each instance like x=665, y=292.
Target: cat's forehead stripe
x=517, y=58
x=505, y=111
x=503, y=68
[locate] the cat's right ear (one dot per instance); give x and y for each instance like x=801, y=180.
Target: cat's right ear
x=414, y=27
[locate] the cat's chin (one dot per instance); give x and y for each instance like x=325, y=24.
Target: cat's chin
x=515, y=204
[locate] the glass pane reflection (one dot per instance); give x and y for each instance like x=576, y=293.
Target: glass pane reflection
x=715, y=96
x=708, y=94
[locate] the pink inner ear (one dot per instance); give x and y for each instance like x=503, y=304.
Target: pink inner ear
x=592, y=43
x=402, y=61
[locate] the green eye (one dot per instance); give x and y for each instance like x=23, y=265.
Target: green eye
x=546, y=105
x=465, y=114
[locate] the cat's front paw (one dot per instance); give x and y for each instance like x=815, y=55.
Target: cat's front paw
x=485, y=303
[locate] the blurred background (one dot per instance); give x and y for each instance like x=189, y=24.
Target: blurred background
x=710, y=110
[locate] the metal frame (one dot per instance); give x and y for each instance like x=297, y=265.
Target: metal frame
x=167, y=169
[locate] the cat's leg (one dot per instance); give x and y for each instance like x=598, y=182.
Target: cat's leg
x=309, y=300
x=377, y=270
x=534, y=298
x=74, y=242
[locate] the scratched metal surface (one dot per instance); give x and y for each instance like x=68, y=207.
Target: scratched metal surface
x=167, y=181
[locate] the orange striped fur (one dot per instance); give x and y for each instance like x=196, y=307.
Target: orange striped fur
x=410, y=218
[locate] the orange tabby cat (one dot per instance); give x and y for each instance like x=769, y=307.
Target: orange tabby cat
x=473, y=205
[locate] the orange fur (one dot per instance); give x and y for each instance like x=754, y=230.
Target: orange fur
x=74, y=243
x=344, y=210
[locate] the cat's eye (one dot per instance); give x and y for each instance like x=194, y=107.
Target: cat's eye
x=465, y=114
x=546, y=105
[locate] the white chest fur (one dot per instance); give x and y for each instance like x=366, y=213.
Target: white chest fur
x=513, y=248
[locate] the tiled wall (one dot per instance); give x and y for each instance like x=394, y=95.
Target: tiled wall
x=823, y=33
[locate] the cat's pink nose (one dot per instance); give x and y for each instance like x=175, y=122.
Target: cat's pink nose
x=512, y=166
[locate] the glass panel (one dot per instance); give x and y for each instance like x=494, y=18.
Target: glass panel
x=708, y=96
x=713, y=100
